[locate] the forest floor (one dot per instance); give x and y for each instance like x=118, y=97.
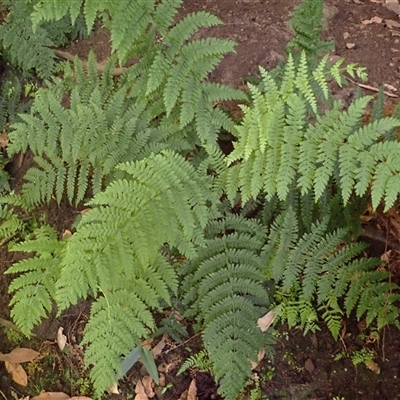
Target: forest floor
x=361, y=365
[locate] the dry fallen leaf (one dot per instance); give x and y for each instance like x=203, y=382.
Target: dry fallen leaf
x=140, y=393
x=80, y=398
x=61, y=338
x=66, y=234
x=51, y=396
x=184, y=395
x=392, y=24
x=373, y=366
x=260, y=356
x=147, y=381
x=309, y=365
x=17, y=373
x=3, y=140
x=266, y=321
x=147, y=343
x=392, y=5
x=158, y=348
x=192, y=391
x=113, y=389
x=19, y=355
x=373, y=20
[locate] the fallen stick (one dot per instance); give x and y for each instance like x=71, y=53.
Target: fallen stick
x=100, y=66
x=372, y=88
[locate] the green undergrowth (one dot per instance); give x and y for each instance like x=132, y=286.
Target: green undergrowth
x=167, y=223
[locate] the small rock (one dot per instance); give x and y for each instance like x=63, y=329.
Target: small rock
x=346, y=35
x=329, y=13
x=334, y=59
x=350, y=45
x=309, y=366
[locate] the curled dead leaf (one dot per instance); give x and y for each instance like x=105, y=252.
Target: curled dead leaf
x=3, y=140
x=266, y=321
x=19, y=355
x=192, y=391
x=373, y=366
x=66, y=234
x=260, y=356
x=51, y=396
x=17, y=373
x=113, y=389
x=147, y=384
x=61, y=338
x=140, y=392
x=373, y=20
x=392, y=24
x=158, y=348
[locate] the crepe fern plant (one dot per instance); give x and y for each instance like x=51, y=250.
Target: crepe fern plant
x=145, y=145
x=224, y=291
x=78, y=130
x=31, y=50
x=115, y=258
x=315, y=269
x=279, y=147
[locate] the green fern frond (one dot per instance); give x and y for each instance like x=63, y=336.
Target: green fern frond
x=317, y=267
x=199, y=361
x=83, y=142
x=306, y=22
x=123, y=318
x=35, y=288
x=280, y=145
x=223, y=287
x=163, y=199
x=165, y=182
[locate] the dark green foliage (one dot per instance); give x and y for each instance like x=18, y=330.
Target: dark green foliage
x=306, y=22
x=144, y=144
x=30, y=49
x=10, y=98
x=225, y=292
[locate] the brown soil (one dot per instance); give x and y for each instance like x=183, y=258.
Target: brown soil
x=310, y=367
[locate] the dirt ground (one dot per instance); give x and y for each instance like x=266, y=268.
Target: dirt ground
x=310, y=367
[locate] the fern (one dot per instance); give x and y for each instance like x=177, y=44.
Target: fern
x=200, y=361
x=35, y=288
x=31, y=50
x=145, y=145
x=172, y=65
x=278, y=145
x=77, y=146
x=306, y=22
x=224, y=290
x=162, y=200
x=319, y=268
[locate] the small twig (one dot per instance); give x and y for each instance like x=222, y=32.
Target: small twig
x=7, y=239
x=372, y=88
x=100, y=66
x=184, y=342
x=11, y=325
